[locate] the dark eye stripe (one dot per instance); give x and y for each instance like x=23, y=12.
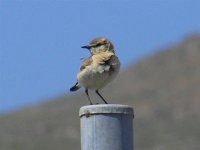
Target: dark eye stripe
x=97, y=45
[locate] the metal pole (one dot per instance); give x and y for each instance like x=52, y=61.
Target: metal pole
x=106, y=127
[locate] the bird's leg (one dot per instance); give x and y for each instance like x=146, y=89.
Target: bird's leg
x=86, y=91
x=101, y=97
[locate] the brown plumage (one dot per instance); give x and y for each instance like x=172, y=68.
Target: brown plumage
x=99, y=69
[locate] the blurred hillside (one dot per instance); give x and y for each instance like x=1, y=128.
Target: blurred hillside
x=162, y=88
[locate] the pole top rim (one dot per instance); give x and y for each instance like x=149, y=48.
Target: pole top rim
x=106, y=109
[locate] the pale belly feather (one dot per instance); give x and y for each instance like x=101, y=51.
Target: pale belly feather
x=97, y=76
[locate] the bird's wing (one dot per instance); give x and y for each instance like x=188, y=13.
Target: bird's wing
x=86, y=62
x=105, y=61
x=102, y=58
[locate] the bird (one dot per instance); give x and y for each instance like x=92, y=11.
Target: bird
x=99, y=69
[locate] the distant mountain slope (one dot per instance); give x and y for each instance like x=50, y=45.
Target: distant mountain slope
x=164, y=90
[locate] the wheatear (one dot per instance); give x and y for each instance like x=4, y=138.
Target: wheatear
x=99, y=69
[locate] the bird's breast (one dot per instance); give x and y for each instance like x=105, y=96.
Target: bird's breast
x=96, y=76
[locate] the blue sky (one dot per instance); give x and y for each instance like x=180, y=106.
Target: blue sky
x=40, y=40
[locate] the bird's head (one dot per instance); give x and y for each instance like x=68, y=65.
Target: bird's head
x=99, y=45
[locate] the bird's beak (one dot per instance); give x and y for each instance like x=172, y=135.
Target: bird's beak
x=86, y=46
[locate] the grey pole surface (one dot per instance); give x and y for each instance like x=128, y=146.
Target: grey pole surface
x=106, y=127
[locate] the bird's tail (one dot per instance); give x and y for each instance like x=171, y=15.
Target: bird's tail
x=75, y=87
